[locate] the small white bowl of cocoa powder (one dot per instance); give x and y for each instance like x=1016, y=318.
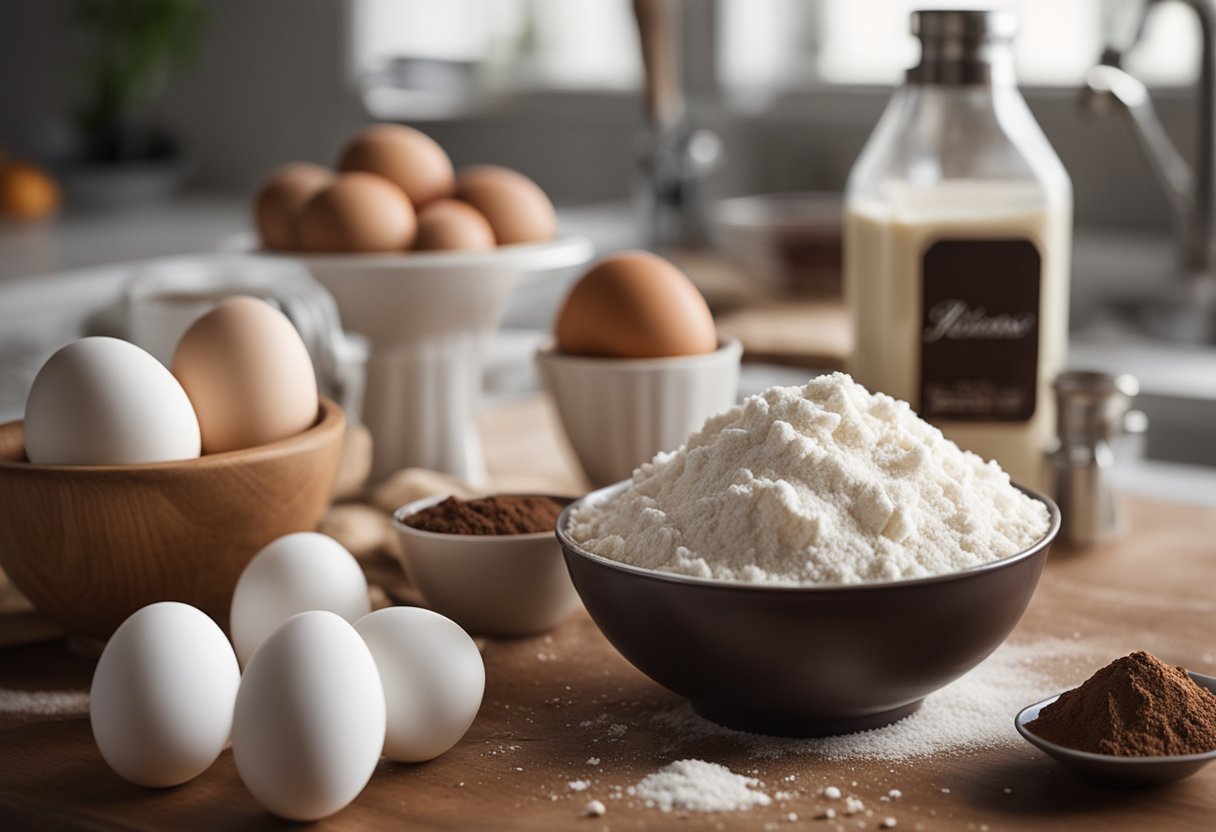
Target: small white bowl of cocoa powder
x=492, y=564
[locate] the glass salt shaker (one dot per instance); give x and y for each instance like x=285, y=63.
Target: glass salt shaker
x=1093, y=411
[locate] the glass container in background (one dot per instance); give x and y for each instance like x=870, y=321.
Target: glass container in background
x=958, y=227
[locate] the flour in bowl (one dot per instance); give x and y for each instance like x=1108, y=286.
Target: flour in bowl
x=820, y=484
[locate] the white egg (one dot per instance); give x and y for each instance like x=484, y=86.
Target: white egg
x=433, y=679
x=310, y=720
x=163, y=695
x=103, y=401
x=296, y=573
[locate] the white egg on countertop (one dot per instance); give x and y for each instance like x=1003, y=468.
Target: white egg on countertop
x=296, y=573
x=433, y=678
x=163, y=695
x=104, y=401
x=310, y=718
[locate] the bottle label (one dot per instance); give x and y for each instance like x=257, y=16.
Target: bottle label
x=979, y=351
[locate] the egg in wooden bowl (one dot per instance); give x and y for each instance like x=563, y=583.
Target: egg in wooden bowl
x=127, y=484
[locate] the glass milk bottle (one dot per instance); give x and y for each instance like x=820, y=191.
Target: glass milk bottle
x=958, y=225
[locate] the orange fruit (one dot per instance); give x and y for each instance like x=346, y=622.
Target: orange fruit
x=27, y=192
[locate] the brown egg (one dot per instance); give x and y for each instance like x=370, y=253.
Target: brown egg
x=411, y=160
x=518, y=210
x=452, y=225
x=358, y=212
x=635, y=305
x=281, y=198
x=248, y=375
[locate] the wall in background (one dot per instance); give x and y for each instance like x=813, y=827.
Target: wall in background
x=36, y=76
x=273, y=84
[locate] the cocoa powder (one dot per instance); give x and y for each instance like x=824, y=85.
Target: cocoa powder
x=503, y=514
x=1136, y=706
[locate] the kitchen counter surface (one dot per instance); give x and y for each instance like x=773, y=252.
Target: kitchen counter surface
x=555, y=702
x=74, y=241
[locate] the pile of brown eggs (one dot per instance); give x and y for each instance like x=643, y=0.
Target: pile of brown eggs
x=395, y=190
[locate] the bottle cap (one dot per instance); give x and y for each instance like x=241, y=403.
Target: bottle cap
x=960, y=46
x=964, y=24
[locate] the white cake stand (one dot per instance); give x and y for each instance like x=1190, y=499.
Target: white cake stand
x=428, y=317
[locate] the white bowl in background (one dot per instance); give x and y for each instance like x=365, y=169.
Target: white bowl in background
x=619, y=413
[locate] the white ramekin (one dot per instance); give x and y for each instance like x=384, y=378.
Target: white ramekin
x=618, y=413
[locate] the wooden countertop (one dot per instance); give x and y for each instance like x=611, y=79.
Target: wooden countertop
x=555, y=701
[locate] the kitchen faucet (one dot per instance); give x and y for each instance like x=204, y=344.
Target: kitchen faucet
x=674, y=157
x=1110, y=88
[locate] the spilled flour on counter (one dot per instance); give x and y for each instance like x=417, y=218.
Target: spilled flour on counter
x=820, y=484
x=972, y=713
x=698, y=786
x=44, y=703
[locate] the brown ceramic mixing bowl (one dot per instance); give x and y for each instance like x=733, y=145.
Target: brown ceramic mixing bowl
x=804, y=660
x=90, y=545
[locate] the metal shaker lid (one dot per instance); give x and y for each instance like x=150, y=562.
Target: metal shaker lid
x=1091, y=405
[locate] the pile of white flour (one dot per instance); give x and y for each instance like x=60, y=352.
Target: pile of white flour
x=698, y=786
x=820, y=484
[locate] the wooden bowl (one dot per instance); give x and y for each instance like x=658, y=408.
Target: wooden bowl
x=90, y=545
